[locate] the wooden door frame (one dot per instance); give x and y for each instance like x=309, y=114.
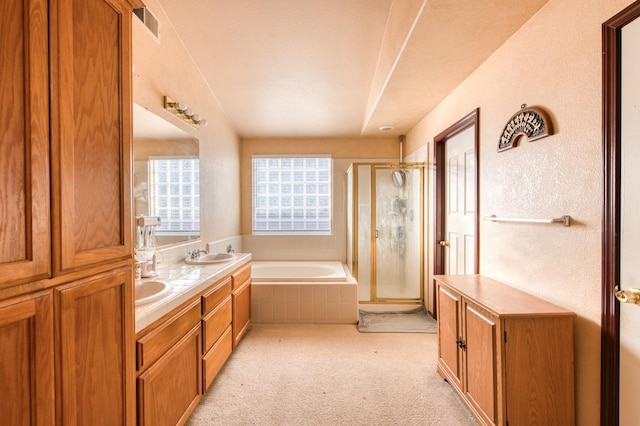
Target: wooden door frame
x=439, y=142
x=610, y=320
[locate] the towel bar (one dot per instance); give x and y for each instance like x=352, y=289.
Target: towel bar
x=565, y=220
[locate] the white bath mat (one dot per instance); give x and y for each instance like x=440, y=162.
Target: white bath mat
x=414, y=321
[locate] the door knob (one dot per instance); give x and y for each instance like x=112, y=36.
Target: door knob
x=444, y=243
x=628, y=296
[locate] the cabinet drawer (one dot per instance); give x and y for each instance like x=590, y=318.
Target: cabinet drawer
x=214, y=359
x=214, y=296
x=216, y=323
x=241, y=275
x=151, y=346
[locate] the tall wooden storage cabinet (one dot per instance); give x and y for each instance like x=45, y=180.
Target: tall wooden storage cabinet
x=66, y=281
x=508, y=354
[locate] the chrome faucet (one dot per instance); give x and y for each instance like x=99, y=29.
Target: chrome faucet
x=230, y=249
x=196, y=253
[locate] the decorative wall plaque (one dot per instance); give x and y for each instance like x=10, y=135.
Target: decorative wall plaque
x=531, y=122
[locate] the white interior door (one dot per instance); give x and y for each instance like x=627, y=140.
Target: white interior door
x=630, y=222
x=460, y=203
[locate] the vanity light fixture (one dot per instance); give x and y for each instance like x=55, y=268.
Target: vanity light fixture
x=181, y=110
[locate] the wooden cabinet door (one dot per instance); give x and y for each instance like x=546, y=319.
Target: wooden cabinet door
x=170, y=389
x=480, y=384
x=24, y=142
x=26, y=360
x=91, y=132
x=241, y=300
x=449, y=331
x=95, y=347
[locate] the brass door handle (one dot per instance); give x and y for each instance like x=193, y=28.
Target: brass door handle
x=628, y=296
x=444, y=243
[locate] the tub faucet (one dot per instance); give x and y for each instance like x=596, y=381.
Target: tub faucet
x=196, y=253
x=230, y=249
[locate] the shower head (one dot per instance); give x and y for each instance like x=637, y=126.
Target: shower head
x=399, y=177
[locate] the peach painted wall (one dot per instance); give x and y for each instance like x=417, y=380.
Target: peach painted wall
x=163, y=67
x=343, y=152
x=554, y=61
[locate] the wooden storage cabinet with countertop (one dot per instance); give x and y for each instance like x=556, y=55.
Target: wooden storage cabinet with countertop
x=508, y=354
x=66, y=242
x=179, y=356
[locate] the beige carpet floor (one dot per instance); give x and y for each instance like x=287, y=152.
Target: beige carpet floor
x=309, y=374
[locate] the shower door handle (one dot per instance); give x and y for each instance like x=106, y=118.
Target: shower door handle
x=444, y=243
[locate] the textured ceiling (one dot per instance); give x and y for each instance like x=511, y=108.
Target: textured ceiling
x=339, y=68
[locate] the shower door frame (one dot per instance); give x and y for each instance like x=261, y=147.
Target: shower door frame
x=373, y=297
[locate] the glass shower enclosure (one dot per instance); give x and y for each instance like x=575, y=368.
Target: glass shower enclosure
x=385, y=219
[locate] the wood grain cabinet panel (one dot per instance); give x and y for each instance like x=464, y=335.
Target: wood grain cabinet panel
x=95, y=329
x=241, y=275
x=26, y=360
x=24, y=142
x=508, y=354
x=215, y=323
x=211, y=298
x=91, y=132
x=480, y=350
x=172, y=387
x=154, y=344
x=449, y=331
x=241, y=300
x=213, y=361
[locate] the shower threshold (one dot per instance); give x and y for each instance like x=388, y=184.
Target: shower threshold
x=388, y=307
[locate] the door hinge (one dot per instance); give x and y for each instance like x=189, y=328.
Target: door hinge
x=505, y=337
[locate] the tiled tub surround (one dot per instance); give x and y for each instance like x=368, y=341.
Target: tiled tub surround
x=186, y=281
x=304, y=300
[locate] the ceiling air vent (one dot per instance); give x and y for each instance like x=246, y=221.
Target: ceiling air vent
x=147, y=18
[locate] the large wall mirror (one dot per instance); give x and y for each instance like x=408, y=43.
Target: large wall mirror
x=166, y=177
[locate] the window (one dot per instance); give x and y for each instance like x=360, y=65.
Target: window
x=292, y=195
x=174, y=195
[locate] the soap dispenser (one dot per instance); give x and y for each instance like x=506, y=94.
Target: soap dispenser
x=146, y=245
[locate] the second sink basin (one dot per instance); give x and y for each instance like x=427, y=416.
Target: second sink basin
x=150, y=291
x=210, y=258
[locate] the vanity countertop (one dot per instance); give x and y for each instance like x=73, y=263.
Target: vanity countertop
x=186, y=282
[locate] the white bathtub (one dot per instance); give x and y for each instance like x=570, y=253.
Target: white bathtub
x=298, y=272
x=303, y=292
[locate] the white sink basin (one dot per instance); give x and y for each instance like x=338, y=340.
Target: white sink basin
x=151, y=291
x=206, y=259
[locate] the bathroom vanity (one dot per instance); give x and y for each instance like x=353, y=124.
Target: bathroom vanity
x=184, y=340
x=508, y=354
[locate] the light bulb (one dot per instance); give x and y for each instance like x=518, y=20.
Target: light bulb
x=202, y=122
x=195, y=117
x=181, y=106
